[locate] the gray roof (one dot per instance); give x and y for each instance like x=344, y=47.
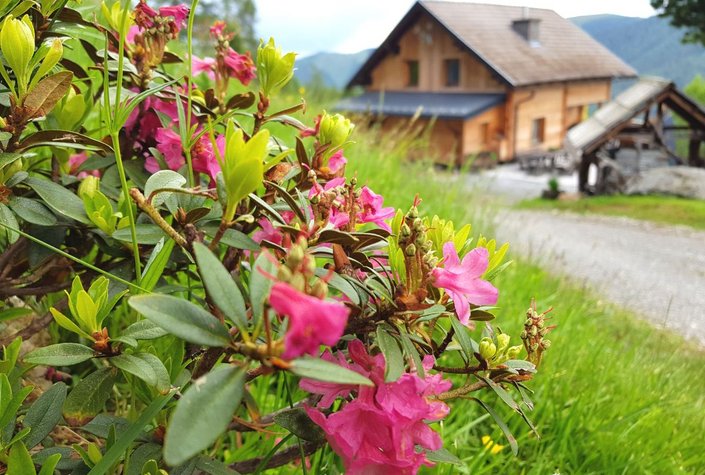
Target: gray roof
x=564, y=52
x=427, y=104
x=620, y=110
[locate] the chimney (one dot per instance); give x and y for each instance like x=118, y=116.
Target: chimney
x=528, y=28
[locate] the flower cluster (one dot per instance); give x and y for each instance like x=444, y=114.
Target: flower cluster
x=379, y=430
x=153, y=29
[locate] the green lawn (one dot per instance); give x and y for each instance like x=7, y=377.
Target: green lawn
x=615, y=396
x=659, y=209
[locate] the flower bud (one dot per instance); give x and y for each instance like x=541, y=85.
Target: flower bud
x=487, y=348
x=298, y=282
x=334, y=130
x=405, y=230
x=17, y=44
x=3, y=123
x=513, y=352
x=274, y=69
x=295, y=257
x=546, y=344
x=502, y=342
x=320, y=289
x=524, y=335
x=413, y=212
x=309, y=265
x=284, y=274
x=56, y=51
x=533, y=331
x=417, y=225
x=88, y=187
x=410, y=250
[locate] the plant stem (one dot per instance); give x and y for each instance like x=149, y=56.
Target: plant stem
x=144, y=205
x=130, y=215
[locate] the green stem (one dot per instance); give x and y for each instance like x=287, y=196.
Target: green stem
x=189, y=97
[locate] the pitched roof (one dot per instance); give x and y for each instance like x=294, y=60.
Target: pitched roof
x=426, y=104
x=614, y=116
x=564, y=51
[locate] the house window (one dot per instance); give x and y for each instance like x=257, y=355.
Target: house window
x=538, y=129
x=413, y=73
x=485, y=133
x=452, y=72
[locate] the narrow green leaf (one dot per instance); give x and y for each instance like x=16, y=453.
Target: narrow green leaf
x=148, y=234
x=121, y=445
x=392, y=354
x=261, y=283
x=32, y=211
x=411, y=351
x=58, y=198
x=193, y=429
x=502, y=425
x=468, y=345
x=50, y=464
x=182, y=318
x=44, y=414
x=442, y=456
x=61, y=354
x=87, y=399
x=144, y=330
x=7, y=217
x=298, y=423
x=156, y=263
x=19, y=461
x=220, y=285
x=213, y=466
x=322, y=370
x=145, y=366
x=10, y=410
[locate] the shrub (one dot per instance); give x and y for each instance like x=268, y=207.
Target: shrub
x=195, y=258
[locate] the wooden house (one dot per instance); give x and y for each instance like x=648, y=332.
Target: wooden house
x=496, y=80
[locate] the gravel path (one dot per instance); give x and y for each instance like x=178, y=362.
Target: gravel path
x=656, y=271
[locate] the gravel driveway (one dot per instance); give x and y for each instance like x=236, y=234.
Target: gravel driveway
x=656, y=271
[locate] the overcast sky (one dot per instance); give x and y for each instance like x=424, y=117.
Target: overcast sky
x=310, y=26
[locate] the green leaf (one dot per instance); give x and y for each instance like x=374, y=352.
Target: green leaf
x=442, y=456
x=59, y=199
x=44, y=414
x=322, y=370
x=19, y=461
x=411, y=351
x=44, y=96
x=156, y=263
x=192, y=428
x=220, y=285
x=50, y=464
x=298, y=423
x=502, y=425
x=122, y=444
x=13, y=313
x=182, y=318
x=392, y=354
x=7, y=218
x=144, y=330
x=145, y=366
x=32, y=211
x=213, y=466
x=61, y=354
x=468, y=345
x=261, y=283
x=160, y=180
x=148, y=234
x=89, y=396
x=12, y=405
x=239, y=240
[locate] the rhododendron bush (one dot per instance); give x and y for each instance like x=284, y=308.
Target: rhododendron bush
x=200, y=287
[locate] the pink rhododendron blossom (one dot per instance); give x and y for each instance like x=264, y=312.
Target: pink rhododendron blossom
x=312, y=132
x=178, y=12
x=312, y=322
x=461, y=280
x=203, y=65
x=377, y=433
x=144, y=15
x=75, y=162
x=372, y=210
x=240, y=66
x=217, y=29
x=337, y=161
x=203, y=156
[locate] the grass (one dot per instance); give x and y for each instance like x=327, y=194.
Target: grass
x=613, y=396
x=658, y=209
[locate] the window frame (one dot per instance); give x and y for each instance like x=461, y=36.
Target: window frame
x=538, y=131
x=447, y=70
x=413, y=69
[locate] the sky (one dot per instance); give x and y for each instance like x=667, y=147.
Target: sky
x=311, y=26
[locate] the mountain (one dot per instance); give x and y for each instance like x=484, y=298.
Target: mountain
x=650, y=45
x=332, y=69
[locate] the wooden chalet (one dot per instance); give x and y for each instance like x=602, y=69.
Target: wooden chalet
x=639, y=119
x=496, y=80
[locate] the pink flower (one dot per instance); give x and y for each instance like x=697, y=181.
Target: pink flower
x=203, y=156
x=462, y=282
x=217, y=29
x=144, y=15
x=240, y=66
x=205, y=65
x=372, y=210
x=75, y=162
x=178, y=12
x=377, y=433
x=169, y=145
x=336, y=162
x=312, y=322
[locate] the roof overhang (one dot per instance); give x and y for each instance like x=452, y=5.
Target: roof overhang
x=423, y=104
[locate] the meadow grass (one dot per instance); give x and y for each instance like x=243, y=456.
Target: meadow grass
x=659, y=209
x=614, y=395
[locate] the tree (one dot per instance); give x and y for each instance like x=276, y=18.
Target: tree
x=688, y=14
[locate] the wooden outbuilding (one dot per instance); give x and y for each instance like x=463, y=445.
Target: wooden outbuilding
x=639, y=119
x=496, y=80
